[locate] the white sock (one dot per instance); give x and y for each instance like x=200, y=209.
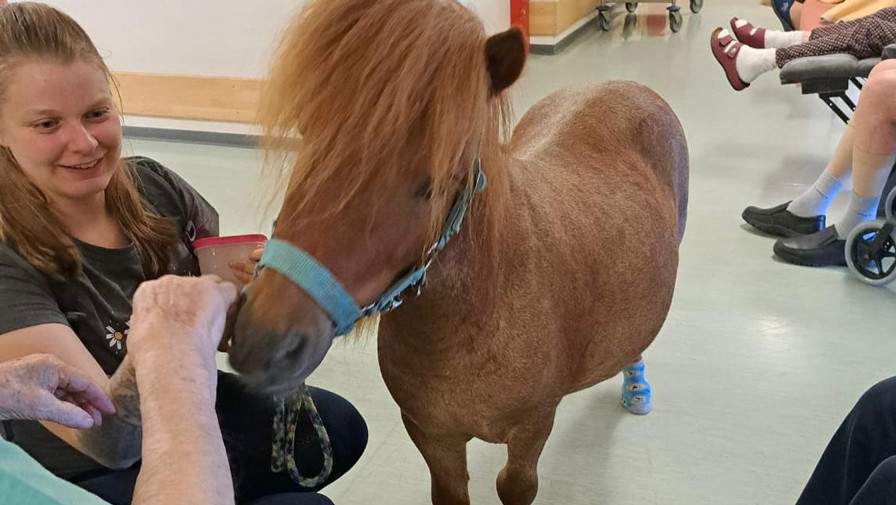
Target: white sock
x=751, y=63
x=860, y=209
x=870, y=174
x=776, y=39
x=815, y=200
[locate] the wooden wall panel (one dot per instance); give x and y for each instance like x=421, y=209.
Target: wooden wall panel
x=189, y=97
x=543, y=17
x=553, y=17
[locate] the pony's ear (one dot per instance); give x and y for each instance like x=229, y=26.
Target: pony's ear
x=505, y=55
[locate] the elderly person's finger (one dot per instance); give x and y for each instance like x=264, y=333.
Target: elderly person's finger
x=82, y=391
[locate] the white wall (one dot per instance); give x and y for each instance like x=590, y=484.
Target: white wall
x=225, y=38
x=219, y=38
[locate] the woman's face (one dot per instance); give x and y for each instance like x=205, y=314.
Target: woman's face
x=61, y=125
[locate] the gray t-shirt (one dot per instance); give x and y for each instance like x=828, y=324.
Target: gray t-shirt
x=97, y=306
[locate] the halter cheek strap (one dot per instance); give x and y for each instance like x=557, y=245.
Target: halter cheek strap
x=323, y=287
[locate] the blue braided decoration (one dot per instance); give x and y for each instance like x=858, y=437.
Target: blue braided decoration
x=636, y=397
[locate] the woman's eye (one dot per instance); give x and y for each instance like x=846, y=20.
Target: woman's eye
x=97, y=113
x=49, y=124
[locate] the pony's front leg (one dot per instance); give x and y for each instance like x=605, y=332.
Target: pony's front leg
x=636, y=396
x=447, y=461
x=518, y=480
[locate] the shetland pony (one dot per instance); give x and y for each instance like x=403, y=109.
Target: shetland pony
x=564, y=268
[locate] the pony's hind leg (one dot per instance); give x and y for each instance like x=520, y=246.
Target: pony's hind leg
x=447, y=461
x=518, y=480
x=636, y=396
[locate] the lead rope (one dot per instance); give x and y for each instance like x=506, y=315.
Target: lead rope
x=284, y=438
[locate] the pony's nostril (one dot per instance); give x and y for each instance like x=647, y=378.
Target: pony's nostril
x=292, y=350
x=298, y=348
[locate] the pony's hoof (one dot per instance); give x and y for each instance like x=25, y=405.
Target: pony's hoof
x=638, y=404
x=636, y=390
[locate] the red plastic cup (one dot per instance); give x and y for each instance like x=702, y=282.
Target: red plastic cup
x=216, y=253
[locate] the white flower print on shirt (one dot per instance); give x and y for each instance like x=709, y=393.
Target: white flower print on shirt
x=115, y=338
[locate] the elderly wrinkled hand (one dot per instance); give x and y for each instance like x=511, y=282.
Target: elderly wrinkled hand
x=41, y=387
x=166, y=310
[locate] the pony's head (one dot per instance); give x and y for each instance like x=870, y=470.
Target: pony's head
x=376, y=110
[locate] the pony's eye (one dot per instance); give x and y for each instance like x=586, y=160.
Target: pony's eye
x=424, y=190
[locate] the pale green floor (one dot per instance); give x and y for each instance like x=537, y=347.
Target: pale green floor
x=758, y=361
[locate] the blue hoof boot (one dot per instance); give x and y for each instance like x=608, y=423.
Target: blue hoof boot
x=636, y=390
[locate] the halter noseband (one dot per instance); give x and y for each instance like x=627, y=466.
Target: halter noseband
x=313, y=278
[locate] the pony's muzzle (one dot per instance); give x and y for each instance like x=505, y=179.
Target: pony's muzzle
x=272, y=361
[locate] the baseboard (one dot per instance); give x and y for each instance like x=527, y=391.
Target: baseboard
x=191, y=136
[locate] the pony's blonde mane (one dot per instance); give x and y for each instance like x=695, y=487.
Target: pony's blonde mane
x=355, y=81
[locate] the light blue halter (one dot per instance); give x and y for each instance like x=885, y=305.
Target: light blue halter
x=325, y=289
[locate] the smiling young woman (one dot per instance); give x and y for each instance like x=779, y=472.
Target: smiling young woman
x=80, y=229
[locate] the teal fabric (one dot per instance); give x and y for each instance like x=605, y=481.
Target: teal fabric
x=24, y=482
x=315, y=279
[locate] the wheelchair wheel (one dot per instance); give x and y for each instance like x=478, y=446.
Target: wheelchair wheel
x=603, y=19
x=876, y=268
x=890, y=205
x=675, y=20
x=631, y=6
x=696, y=5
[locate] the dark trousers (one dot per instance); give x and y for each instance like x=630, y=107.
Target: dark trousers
x=858, y=466
x=246, y=420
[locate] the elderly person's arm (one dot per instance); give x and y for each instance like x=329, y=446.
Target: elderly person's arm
x=171, y=359
x=176, y=326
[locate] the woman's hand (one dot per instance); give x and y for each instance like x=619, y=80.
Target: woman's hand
x=244, y=271
x=42, y=387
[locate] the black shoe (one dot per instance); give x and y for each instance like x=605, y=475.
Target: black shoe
x=821, y=249
x=780, y=222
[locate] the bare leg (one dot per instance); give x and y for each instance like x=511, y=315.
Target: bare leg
x=874, y=150
x=447, y=461
x=875, y=118
x=518, y=480
x=818, y=197
x=815, y=200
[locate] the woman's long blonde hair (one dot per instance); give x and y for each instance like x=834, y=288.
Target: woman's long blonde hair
x=37, y=32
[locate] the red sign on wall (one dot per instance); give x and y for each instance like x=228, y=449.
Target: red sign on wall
x=519, y=15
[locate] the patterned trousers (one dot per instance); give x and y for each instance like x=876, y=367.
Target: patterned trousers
x=862, y=38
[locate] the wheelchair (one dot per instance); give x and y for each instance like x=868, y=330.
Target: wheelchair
x=871, y=246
